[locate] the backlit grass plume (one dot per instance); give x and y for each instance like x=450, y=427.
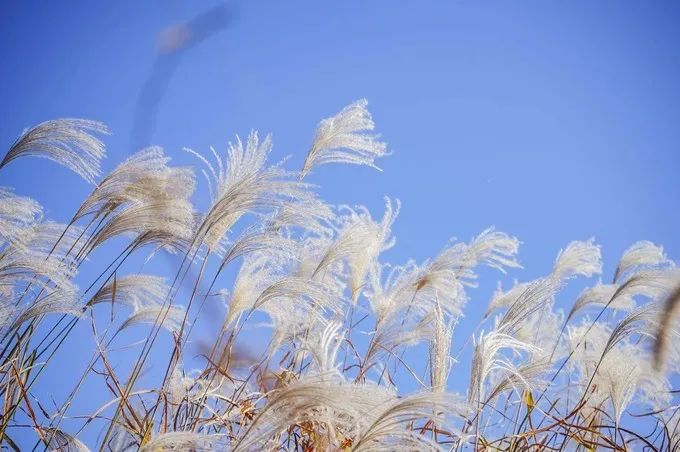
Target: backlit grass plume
x=277, y=324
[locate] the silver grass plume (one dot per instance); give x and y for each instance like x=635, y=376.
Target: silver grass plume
x=529, y=301
x=490, y=248
x=33, y=259
x=323, y=346
x=338, y=408
x=297, y=306
x=440, y=348
x=145, y=199
x=501, y=299
x=342, y=139
x=174, y=316
x=314, y=293
x=167, y=223
x=389, y=427
x=258, y=271
x=641, y=255
x=54, y=302
x=184, y=441
x=371, y=417
x=244, y=185
x=145, y=294
x=642, y=321
x=140, y=179
x=69, y=142
x=310, y=214
x=57, y=440
x=662, y=335
x=16, y=213
x=360, y=242
x=487, y=359
x=602, y=295
x=444, y=277
x=529, y=376
x=255, y=239
x=136, y=291
x=541, y=330
x=616, y=367
x=578, y=258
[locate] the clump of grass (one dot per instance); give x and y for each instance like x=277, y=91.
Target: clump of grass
x=342, y=323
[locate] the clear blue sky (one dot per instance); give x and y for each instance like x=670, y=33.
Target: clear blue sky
x=552, y=120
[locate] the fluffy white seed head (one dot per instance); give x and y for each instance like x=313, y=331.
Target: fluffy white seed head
x=69, y=142
x=342, y=139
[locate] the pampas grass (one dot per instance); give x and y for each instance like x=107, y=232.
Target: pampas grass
x=359, y=353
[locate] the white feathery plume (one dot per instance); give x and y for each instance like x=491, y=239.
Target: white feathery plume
x=293, y=322
x=540, y=329
x=7, y=308
x=58, y=440
x=310, y=253
x=502, y=299
x=389, y=428
x=625, y=375
x=641, y=255
x=360, y=242
x=142, y=178
x=663, y=334
x=534, y=298
x=486, y=359
x=174, y=316
x=490, y=248
x=297, y=308
x=528, y=377
x=183, y=389
x=310, y=214
x=621, y=382
x=145, y=199
x=179, y=386
x=342, y=139
x=602, y=295
x=324, y=345
x=312, y=292
x=642, y=321
x=443, y=278
x=40, y=239
x=405, y=302
x=136, y=291
x=652, y=284
x=258, y=271
x=406, y=328
x=178, y=441
x=338, y=408
x=16, y=214
x=587, y=342
x=145, y=294
x=57, y=301
x=578, y=258
x=32, y=258
x=244, y=185
x=369, y=416
x=622, y=366
x=166, y=223
x=255, y=239
x=69, y=142
x=440, y=351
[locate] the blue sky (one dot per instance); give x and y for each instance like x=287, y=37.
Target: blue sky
x=552, y=120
